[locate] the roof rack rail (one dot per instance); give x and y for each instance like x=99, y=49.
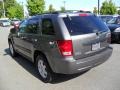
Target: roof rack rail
x=67, y=11
x=55, y=12
x=78, y=11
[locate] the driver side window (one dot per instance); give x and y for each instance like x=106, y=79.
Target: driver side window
x=23, y=26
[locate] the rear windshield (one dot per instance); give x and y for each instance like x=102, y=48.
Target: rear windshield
x=4, y=21
x=15, y=20
x=84, y=24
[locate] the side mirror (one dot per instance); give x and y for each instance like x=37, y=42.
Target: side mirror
x=13, y=30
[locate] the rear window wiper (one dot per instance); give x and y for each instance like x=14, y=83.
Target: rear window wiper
x=69, y=17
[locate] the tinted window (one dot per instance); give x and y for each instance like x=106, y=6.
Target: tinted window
x=106, y=18
x=115, y=20
x=23, y=26
x=84, y=24
x=32, y=26
x=15, y=20
x=112, y=21
x=47, y=27
x=4, y=21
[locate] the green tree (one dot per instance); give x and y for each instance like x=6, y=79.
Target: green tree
x=35, y=6
x=15, y=11
x=108, y=7
x=12, y=9
x=62, y=9
x=119, y=12
x=51, y=9
x=95, y=10
x=9, y=4
x=1, y=9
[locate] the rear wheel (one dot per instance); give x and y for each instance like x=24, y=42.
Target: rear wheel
x=12, y=51
x=44, y=70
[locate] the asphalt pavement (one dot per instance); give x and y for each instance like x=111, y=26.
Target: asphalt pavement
x=20, y=74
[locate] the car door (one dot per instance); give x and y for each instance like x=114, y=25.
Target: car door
x=19, y=37
x=48, y=37
x=25, y=38
x=31, y=37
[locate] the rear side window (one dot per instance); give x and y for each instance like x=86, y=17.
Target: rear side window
x=47, y=27
x=33, y=26
x=78, y=25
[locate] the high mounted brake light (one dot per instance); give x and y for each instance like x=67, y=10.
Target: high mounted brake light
x=83, y=14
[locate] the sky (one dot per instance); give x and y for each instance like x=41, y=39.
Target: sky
x=74, y=4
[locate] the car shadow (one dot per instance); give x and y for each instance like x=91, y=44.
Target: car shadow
x=30, y=67
x=59, y=78
x=26, y=64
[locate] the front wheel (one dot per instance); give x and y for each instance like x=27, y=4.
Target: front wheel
x=43, y=69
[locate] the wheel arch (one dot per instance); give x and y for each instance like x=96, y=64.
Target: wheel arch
x=36, y=53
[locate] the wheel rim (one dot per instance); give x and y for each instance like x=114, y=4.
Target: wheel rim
x=11, y=49
x=42, y=69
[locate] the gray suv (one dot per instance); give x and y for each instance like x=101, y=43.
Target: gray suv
x=65, y=43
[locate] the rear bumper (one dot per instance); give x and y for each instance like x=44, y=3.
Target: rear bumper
x=69, y=66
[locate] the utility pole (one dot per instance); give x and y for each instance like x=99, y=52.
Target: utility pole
x=23, y=9
x=98, y=7
x=64, y=2
x=3, y=4
x=4, y=9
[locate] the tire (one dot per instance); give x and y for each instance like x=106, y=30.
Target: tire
x=44, y=70
x=12, y=50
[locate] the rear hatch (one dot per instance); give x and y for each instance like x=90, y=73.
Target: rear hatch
x=89, y=35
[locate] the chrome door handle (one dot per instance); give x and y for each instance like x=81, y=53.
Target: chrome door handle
x=51, y=42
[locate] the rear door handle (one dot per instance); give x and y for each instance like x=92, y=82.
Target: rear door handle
x=51, y=42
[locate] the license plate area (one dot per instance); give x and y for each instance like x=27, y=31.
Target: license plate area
x=95, y=46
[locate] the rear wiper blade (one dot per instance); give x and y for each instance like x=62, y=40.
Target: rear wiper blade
x=69, y=17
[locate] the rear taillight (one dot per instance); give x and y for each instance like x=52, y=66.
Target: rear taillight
x=65, y=47
x=109, y=37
